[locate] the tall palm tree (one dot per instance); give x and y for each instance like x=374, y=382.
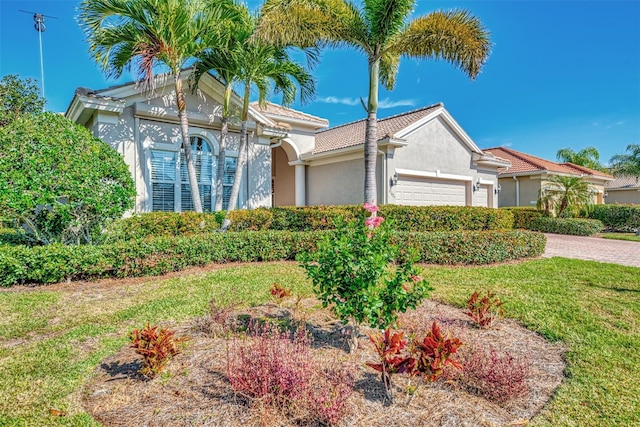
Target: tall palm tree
x=382, y=30
x=627, y=164
x=562, y=195
x=588, y=157
x=251, y=62
x=143, y=34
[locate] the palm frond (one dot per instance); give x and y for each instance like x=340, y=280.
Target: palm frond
x=456, y=36
x=386, y=18
x=389, y=64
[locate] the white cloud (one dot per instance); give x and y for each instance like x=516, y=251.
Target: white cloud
x=387, y=103
x=336, y=100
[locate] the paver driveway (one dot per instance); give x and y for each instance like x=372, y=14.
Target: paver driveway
x=593, y=248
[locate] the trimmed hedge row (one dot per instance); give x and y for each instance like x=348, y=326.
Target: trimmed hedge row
x=163, y=224
x=617, y=218
x=55, y=263
x=570, y=226
x=405, y=218
x=523, y=217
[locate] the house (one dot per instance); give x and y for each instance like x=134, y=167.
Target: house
x=623, y=190
x=424, y=156
x=520, y=184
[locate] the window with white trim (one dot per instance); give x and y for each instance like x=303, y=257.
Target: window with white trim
x=170, y=186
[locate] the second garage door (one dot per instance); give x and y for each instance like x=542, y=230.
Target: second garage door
x=423, y=191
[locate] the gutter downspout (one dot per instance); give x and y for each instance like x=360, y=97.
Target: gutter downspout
x=136, y=139
x=384, y=176
x=517, y=191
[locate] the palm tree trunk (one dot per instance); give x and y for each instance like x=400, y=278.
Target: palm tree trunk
x=235, y=189
x=371, y=135
x=186, y=144
x=221, y=163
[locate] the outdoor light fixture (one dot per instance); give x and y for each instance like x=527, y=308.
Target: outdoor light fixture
x=476, y=186
x=394, y=179
x=498, y=189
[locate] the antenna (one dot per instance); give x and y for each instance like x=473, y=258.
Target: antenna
x=38, y=19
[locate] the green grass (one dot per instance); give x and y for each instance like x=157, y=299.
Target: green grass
x=51, y=341
x=621, y=236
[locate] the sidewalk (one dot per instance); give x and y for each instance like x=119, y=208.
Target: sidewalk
x=593, y=248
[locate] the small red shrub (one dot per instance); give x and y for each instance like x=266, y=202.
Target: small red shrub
x=433, y=353
x=484, y=310
x=279, y=292
x=156, y=346
x=328, y=395
x=389, y=347
x=497, y=376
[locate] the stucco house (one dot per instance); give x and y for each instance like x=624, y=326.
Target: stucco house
x=520, y=184
x=424, y=156
x=623, y=190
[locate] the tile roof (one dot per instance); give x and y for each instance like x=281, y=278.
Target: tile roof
x=624, y=181
x=522, y=163
x=351, y=134
x=279, y=110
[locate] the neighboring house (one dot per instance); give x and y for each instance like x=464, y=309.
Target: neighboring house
x=623, y=190
x=520, y=184
x=424, y=156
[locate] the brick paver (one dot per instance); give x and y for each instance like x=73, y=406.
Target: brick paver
x=593, y=248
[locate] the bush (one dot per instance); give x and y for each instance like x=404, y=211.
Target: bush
x=617, y=218
x=55, y=263
x=161, y=224
x=570, y=226
x=9, y=236
x=405, y=218
x=523, y=217
x=156, y=346
x=57, y=181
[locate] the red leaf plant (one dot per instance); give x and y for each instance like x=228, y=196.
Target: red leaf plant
x=156, y=346
x=279, y=292
x=433, y=353
x=389, y=348
x=484, y=310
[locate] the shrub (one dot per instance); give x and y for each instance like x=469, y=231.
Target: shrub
x=363, y=276
x=279, y=292
x=161, y=224
x=9, y=236
x=523, y=217
x=156, y=346
x=54, y=263
x=570, y=226
x=497, y=376
x=484, y=310
x=58, y=181
x=617, y=218
x=389, y=348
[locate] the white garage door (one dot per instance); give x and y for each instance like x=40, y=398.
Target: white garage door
x=481, y=196
x=424, y=191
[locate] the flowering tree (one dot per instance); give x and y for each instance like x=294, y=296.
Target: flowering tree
x=363, y=276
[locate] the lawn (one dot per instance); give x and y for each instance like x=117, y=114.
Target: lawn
x=632, y=237
x=51, y=339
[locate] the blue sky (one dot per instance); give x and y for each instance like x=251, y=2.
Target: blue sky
x=561, y=73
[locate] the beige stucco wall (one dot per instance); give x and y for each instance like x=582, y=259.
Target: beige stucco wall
x=529, y=190
x=630, y=196
x=339, y=183
x=283, y=177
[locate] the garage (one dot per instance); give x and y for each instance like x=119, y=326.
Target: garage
x=418, y=191
x=481, y=196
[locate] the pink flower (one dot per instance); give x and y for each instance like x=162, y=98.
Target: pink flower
x=374, y=221
x=370, y=207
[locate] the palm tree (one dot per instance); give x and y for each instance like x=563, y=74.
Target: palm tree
x=627, y=164
x=142, y=34
x=381, y=30
x=252, y=62
x=562, y=195
x=588, y=157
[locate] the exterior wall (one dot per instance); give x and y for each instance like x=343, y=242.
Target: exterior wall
x=283, y=178
x=623, y=197
x=434, y=147
x=529, y=191
x=340, y=183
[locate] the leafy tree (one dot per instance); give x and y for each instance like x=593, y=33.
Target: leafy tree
x=144, y=34
x=58, y=181
x=251, y=62
x=18, y=96
x=381, y=30
x=627, y=164
x=588, y=157
x=566, y=196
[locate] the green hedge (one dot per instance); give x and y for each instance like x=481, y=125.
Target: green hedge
x=617, y=218
x=405, y=218
x=523, y=217
x=163, y=224
x=55, y=263
x=571, y=226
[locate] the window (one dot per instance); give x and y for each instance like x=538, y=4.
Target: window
x=170, y=186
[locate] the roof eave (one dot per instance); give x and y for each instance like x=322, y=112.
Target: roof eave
x=82, y=104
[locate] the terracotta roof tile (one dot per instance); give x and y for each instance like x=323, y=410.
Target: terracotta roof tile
x=351, y=134
x=624, y=181
x=522, y=163
x=279, y=110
